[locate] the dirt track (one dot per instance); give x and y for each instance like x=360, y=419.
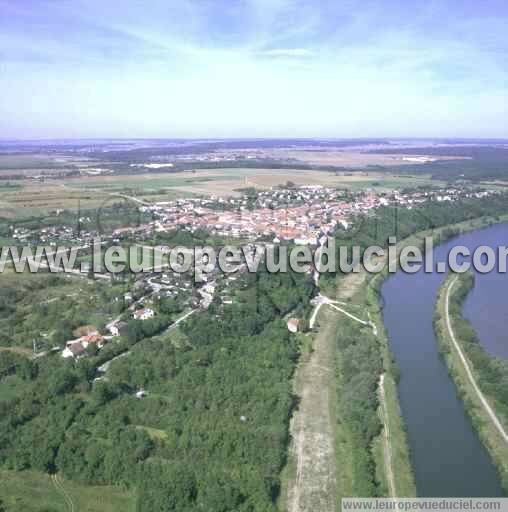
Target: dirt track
x=386, y=439
x=314, y=486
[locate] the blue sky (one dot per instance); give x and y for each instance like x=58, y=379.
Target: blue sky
x=257, y=68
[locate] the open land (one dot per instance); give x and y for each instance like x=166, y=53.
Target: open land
x=26, y=198
x=32, y=491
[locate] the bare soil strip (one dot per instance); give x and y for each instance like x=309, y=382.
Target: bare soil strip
x=312, y=428
x=386, y=439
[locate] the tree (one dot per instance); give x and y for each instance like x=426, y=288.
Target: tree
x=61, y=381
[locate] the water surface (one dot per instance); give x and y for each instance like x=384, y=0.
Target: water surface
x=486, y=306
x=448, y=457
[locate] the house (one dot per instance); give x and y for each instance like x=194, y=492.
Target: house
x=113, y=329
x=143, y=314
x=74, y=350
x=94, y=338
x=293, y=324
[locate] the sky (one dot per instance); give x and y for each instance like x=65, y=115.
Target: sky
x=253, y=68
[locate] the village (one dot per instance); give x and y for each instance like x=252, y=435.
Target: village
x=304, y=215
x=301, y=215
x=282, y=214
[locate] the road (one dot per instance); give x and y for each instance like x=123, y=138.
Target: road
x=488, y=409
x=181, y=319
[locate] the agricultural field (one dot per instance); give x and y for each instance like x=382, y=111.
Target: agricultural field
x=225, y=181
x=23, y=198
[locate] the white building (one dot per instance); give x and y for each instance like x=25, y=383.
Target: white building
x=143, y=314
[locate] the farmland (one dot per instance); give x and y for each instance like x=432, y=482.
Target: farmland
x=25, y=198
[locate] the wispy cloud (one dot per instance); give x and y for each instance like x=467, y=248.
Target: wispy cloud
x=216, y=67
x=291, y=53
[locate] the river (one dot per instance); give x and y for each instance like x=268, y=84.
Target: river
x=447, y=455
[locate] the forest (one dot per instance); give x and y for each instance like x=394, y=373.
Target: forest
x=358, y=369
x=211, y=432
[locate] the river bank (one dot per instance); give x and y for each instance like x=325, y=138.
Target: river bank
x=447, y=456
x=361, y=295
x=461, y=350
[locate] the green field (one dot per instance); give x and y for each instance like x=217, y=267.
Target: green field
x=30, y=491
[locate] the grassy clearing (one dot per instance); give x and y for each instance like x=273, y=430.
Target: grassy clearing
x=30, y=491
x=154, y=433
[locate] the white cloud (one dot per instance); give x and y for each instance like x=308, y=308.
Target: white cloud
x=296, y=53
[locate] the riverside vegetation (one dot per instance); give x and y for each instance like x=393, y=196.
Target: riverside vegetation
x=490, y=373
x=361, y=358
